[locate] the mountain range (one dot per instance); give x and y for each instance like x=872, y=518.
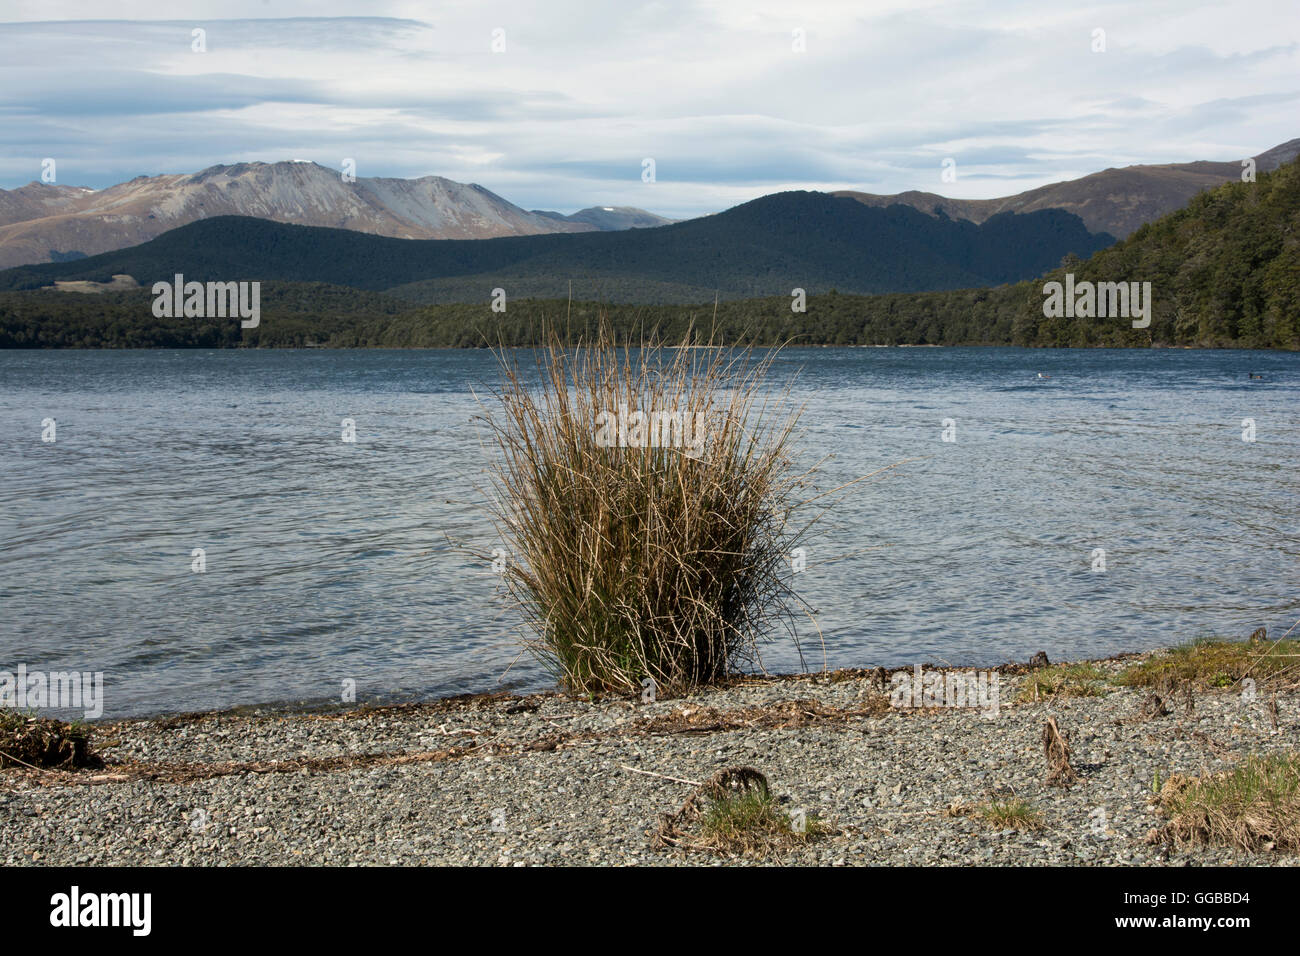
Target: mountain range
x=1115, y=201
x=52, y=223
x=611, y=218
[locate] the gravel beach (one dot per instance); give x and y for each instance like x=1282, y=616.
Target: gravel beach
x=546, y=779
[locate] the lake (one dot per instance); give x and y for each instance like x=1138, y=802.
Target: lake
x=329, y=561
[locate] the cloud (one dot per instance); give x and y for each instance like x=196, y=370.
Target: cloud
x=716, y=92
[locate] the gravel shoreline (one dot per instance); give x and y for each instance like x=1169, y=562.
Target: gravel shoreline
x=547, y=779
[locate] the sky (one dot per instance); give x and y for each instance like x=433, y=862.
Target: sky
x=731, y=100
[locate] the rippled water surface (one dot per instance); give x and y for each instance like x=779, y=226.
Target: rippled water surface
x=329, y=561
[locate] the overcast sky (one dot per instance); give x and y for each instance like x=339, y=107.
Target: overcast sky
x=714, y=92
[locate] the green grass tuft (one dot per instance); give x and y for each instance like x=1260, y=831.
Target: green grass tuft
x=751, y=823
x=1012, y=813
x=1211, y=662
x=1065, y=680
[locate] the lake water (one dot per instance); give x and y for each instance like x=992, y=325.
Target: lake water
x=328, y=561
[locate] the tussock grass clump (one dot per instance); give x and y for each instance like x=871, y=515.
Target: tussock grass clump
x=1253, y=806
x=659, y=553
x=29, y=741
x=1010, y=814
x=1210, y=662
x=1064, y=680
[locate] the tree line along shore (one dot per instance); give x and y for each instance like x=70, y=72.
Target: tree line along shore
x=333, y=317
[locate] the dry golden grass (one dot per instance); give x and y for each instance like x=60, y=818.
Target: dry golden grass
x=636, y=562
x=1254, y=806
